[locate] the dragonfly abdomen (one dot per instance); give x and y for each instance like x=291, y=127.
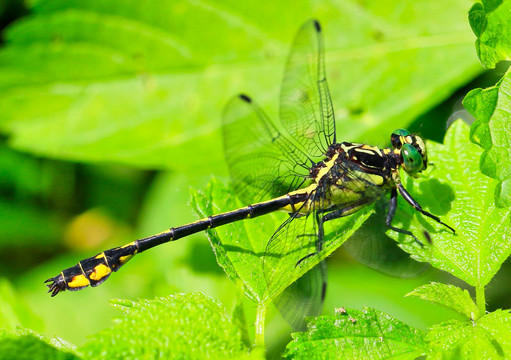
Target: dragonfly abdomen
x=96, y=269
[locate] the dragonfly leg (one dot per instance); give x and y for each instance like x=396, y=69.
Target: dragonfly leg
x=390, y=216
x=321, y=219
x=417, y=207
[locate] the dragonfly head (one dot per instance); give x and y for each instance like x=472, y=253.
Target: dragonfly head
x=412, y=150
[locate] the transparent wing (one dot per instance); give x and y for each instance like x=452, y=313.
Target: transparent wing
x=306, y=110
x=304, y=297
x=263, y=162
x=294, y=240
x=298, y=237
x=370, y=246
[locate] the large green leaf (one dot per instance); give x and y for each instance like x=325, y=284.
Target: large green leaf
x=354, y=334
x=144, y=82
x=487, y=338
x=490, y=20
x=491, y=131
x=177, y=327
x=456, y=191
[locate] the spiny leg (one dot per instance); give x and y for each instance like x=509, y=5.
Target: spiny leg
x=390, y=216
x=320, y=220
x=417, y=207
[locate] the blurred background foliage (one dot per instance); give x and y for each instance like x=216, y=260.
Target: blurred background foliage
x=110, y=111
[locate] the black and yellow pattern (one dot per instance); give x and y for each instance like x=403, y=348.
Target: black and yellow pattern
x=304, y=171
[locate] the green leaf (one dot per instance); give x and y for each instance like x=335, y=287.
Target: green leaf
x=28, y=345
x=487, y=338
x=178, y=326
x=144, y=83
x=14, y=312
x=450, y=296
x=490, y=23
x=367, y=334
x=491, y=131
x=239, y=247
x=454, y=189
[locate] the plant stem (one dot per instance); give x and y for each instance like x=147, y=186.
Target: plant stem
x=480, y=300
x=259, y=325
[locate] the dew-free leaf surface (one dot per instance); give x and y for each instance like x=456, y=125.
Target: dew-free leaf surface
x=455, y=190
x=27, y=345
x=190, y=326
x=240, y=247
x=144, y=83
x=490, y=20
x=491, y=108
x=450, y=296
x=486, y=338
x=354, y=334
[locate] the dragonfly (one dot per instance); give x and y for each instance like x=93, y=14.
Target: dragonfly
x=295, y=165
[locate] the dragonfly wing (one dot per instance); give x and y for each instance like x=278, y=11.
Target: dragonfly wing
x=262, y=161
x=370, y=246
x=304, y=297
x=293, y=241
x=306, y=110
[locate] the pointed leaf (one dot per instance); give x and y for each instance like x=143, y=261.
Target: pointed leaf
x=179, y=326
x=354, y=334
x=491, y=108
x=454, y=189
x=450, y=296
x=487, y=338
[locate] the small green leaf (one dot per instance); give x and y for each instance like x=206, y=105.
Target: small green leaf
x=354, y=334
x=490, y=23
x=454, y=189
x=28, y=345
x=487, y=338
x=179, y=326
x=491, y=108
x=239, y=247
x=450, y=296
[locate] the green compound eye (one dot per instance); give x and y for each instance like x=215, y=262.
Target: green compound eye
x=412, y=159
x=395, y=138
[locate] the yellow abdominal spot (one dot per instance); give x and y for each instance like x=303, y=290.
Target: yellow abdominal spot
x=124, y=259
x=100, y=272
x=78, y=282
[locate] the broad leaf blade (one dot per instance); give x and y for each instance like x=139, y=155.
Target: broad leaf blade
x=144, y=83
x=490, y=20
x=450, y=296
x=487, y=338
x=179, y=326
x=367, y=334
x=455, y=190
x=491, y=131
